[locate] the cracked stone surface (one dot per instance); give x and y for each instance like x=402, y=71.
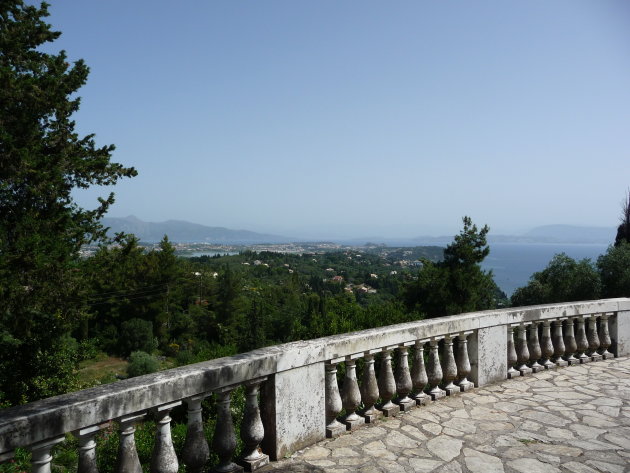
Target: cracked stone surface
x=571, y=420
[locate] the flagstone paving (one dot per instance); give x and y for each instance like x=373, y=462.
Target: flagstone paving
x=574, y=419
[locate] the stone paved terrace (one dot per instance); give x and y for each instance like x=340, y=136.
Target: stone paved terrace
x=574, y=419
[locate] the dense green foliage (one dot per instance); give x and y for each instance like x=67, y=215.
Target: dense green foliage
x=457, y=283
x=566, y=280
x=563, y=280
x=42, y=160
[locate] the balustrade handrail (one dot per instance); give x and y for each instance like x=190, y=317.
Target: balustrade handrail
x=34, y=422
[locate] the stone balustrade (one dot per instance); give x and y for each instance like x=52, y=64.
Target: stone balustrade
x=293, y=394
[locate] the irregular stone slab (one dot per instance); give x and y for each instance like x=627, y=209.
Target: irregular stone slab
x=413, y=432
x=315, y=453
x=561, y=450
x=509, y=406
x=606, y=467
x=344, y=452
x=606, y=401
x=586, y=432
x=621, y=441
x=452, y=467
x=422, y=465
x=545, y=418
x=466, y=426
x=479, y=462
x=445, y=447
x=556, y=433
x=432, y=428
x=532, y=465
x=598, y=422
x=609, y=411
x=576, y=467
x=396, y=439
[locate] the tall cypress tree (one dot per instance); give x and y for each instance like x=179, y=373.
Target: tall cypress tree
x=42, y=160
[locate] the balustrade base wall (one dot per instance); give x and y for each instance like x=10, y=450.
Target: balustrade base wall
x=293, y=410
x=486, y=367
x=620, y=333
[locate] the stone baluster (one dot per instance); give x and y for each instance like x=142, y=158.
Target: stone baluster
x=351, y=396
x=547, y=346
x=533, y=345
x=369, y=389
x=463, y=362
x=580, y=341
x=41, y=457
x=224, y=441
x=593, y=339
x=604, y=338
x=163, y=458
x=558, y=344
x=403, y=380
x=196, y=451
x=387, y=384
x=570, y=345
x=522, y=352
x=252, y=429
x=128, y=461
x=434, y=371
x=419, y=374
x=87, y=449
x=511, y=354
x=449, y=368
x=333, y=400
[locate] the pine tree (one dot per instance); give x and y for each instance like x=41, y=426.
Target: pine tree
x=42, y=160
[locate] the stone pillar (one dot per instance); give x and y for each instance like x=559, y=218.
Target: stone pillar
x=533, y=345
x=41, y=457
x=463, y=362
x=196, y=451
x=547, y=346
x=87, y=449
x=403, y=380
x=224, y=440
x=369, y=390
x=581, y=341
x=163, y=458
x=434, y=371
x=511, y=354
x=351, y=396
x=252, y=430
x=620, y=332
x=293, y=409
x=333, y=401
x=593, y=339
x=128, y=461
x=570, y=345
x=558, y=344
x=387, y=384
x=487, y=349
x=419, y=374
x=449, y=367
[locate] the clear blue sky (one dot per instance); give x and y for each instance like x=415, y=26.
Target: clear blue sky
x=353, y=117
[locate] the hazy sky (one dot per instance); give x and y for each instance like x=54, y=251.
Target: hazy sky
x=360, y=116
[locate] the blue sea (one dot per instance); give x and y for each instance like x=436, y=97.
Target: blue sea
x=513, y=263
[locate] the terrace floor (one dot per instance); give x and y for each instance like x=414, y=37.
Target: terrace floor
x=574, y=419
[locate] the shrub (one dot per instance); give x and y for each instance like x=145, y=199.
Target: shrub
x=142, y=363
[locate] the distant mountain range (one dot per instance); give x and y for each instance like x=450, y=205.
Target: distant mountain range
x=569, y=234
x=181, y=231
x=186, y=232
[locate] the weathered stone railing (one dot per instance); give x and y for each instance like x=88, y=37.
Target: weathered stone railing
x=300, y=400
